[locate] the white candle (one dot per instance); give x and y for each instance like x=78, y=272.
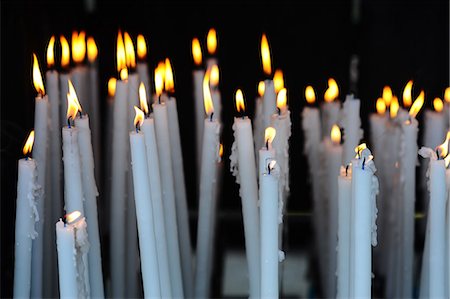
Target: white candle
x=26, y=216
x=80, y=78
x=215, y=92
x=270, y=219
x=199, y=112
x=330, y=108
x=144, y=212
x=244, y=169
x=267, y=152
x=258, y=130
x=269, y=103
x=64, y=77
x=447, y=232
x=90, y=194
x=434, y=125
x=351, y=125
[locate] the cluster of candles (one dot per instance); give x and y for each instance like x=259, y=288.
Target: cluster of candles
x=145, y=188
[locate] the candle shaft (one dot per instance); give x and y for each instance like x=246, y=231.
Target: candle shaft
x=199, y=113
x=343, y=259
x=65, y=241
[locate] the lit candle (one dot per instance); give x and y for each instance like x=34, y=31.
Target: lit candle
x=330, y=108
x=108, y=141
x=119, y=176
x=40, y=156
x=267, y=152
x=378, y=127
x=269, y=215
x=184, y=235
x=148, y=128
x=351, y=125
x=269, y=106
x=26, y=217
x=80, y=73
x=198, y=75
x=144, y=211
x=142, y=67
x=447, y=104
x=168, y=188
x=242, y=166
x=215, y=92
x=64, y=77
x=211, y=45
x=207, y=187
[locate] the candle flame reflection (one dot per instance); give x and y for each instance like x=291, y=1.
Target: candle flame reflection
x=310, y=94
x=417, y=105
x=112, y=86
x=407, y=94
x=65, y=52
x=381, y=106
x=261, y=88
x=196, y=51
x=211, y=41
x=29, y=143
x=141, y=47
x=335, y=134
x=37, y=77
x=139, y=117
x=240, y=106
x=73, y=217
x=265, y=55
x=438, y=105
x=207, y=99
x=278, y=80
x=92, y=50
x=51, y=52
x=143, y=98
x=332, y=91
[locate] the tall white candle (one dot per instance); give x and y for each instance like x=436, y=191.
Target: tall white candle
x=258, y=129
x=351, y=124
x=267, y=152
x=64, y=77
x=269, y=106
x=244, y=169
x=215, y=92
x=199, y=112
x=447, y=231
x=26, y=217
x=80, y=73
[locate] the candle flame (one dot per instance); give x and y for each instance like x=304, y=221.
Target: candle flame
x=407, y=94
x=73, y=106
x=359, y=149
x=73, y=217
x=74, y=95
x=417, y=105
x=447, y=95
x=143, y=98
x=29, y=143
x=443, y=148
x=168, y=77
x=239, y=96
x=393, y=111
x=269, y=135
x=261, y=88
x=141, y=47
x=211, y=41
x=51, y=52
x=207, y=99
x=282, y=99
x=121, y=57
x=265, y=55
x=271, y=164
x=387, y=95
x=65, y=52
x=78, y=46
x=112, y=86
x=332, y=91
x=159, y=78
x=221, y=150
x=310, y=94
x=278, y=80
x=214, y=79
x=196, y=51
x=129, y=51
x=381, y=106
x=92, y=50
x=336, y=134
x=37, y=77
x=438, y=105
x=139, y=118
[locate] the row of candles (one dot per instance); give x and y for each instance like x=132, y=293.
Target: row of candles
x=152, y=193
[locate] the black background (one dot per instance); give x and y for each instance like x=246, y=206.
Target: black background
x=310, y=41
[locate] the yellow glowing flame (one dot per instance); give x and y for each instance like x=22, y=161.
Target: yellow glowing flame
x=211, y=41
x=78, y=46
x=50, y=52
x=159, y=78
x=282, y=99
x=37, y=77
x=310, y=94
x=207, y=99
x=112, y=86
x=143, y=98
x=28, y=144
x=73, y=217
x=261, y=88
x=332, y=91
x=129, y=51
x=72, y=107
x=121, y=58
x=240, y=106
x=359, y=149
x=168, y=77
x=74, y=96
x=336, y=134
x=269, y=134
x=278, y=80
x=387, y=95
x=407, y=94
x=271, y=165
x=417, y=105
x=141, y=47
x=443, y=148
x=92, y=50
x=447, y=95
x=381, y=106
x=139, y=118
x=265, y=55
x=438, y=105
x=393, y=111
x=65, y=52
x=196, y=51
x=214, y=76
x=221, y=150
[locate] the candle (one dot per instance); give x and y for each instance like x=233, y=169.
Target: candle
x=168, y=188
x=269, y=98
x=64, y=77
x=80, y=73
x=330, y=108
x=257, y=121
x=198, y=75
x=242, y=166
x=144, y=211
x=26, y=217
x=119, y=176
x=447, y=105
x=267, y=152
x=215, y=92
x=208, y=174
x=40, y=156
x=211, y=45
x=90, y=194
x=378, y=127
x=269, y=215
x=434, y=257
x=73, y=246
x=363, y=227
x=142, y=68
x=148, y=129
x=351, y=125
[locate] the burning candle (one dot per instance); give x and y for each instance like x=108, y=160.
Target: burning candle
x=257, y=121
x=269, y=99
x=211, y=45
x=330, y=108
x=142, y=67
x=80, y=73
x=26, y=217
x=64, y=77
x=267, y=152
x=243, y=167
x=215, y=92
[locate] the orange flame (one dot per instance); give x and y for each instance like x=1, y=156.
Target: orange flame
x=278, y=80
x=159, y=78
x=381, y=106
x=74, y=96
x=443, y=148
x=214, y=79
x=240, y=106
x=168, y=77
x=221, y=150
x=407, y=94
x=29, y=143
x=261, y=88
x=112, y=86
x=417, y=105
x=335, y=134
x=121, y=57
x=282, y=99
x=143, y=98
x=438, y=105
x=211, y=41
x=359, y=149
x=92, y=50
x=387, y=95
x=65, y=52
x=196, y=51
x=129, y=51
x=50, y=52
x=78, y=46
x=310, y=94
x=269, y=135
x=447, y=95
x=139, y=118
x=207, y=99
x=141, y=47
x=393, y=111
x=37, y=77
x=332, y=91
x=265, y=55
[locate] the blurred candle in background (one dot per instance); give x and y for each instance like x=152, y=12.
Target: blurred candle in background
x=329, y=109
x=199, y=112
x=142, y=66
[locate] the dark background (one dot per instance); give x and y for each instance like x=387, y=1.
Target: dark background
x=310, y=41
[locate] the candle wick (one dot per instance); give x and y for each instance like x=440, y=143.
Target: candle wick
x=26, y=158
x=268, y=169
x=364, y=161
x=80, y=114
x=137, y=128
x=437, y=154
x=159, y=99
x=267, y=144
x=279, y=111
x=68, y=122
x=346, y=170
x=211, y=116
